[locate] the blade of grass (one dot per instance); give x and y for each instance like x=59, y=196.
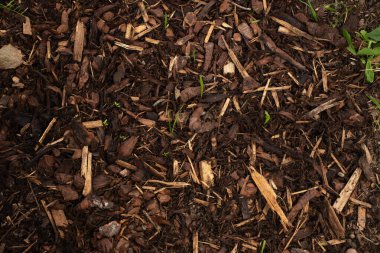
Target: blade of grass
x=166, y=21
x=350, y=47
x=263, y=244
x=369, y=72
x=202, y=84
x=374, y=101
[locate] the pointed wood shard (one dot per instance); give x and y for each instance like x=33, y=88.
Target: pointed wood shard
x=270, y=196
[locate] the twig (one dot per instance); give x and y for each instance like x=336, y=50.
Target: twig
x=48, y=128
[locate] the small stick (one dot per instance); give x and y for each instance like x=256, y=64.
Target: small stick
x=338, y=163
x=235, y=60
x=50, y=217
x=195, y=242
x=86, y=170
x=48, y=128
x=265, y=92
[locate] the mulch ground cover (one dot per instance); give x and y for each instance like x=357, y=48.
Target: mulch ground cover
x=188, y=126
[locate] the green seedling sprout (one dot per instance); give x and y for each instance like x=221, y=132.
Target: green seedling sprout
x=117, y=104
x=371, y=40
x=173, y=124
x=166, y=21
x=105, y=123
x=374, y=101
x=267, y=117
x=311, y=8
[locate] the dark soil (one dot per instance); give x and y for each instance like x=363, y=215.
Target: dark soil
x=174, y=130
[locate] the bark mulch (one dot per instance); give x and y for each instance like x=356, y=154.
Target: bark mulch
x=188, y=126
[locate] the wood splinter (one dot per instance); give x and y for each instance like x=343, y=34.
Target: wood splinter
x=86, y=170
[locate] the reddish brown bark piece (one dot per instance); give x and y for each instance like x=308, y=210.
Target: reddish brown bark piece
x=126, y=148
x=209, y=49
x=68, y=193
x=309, y=195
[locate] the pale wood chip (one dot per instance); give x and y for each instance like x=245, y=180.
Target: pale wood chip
x=152, y=41
x=60, y=219
x=79, y=41
x=92, y=124
x=125, y=165
x=201, y=202
x=209, y=32
x=345, y=194
x=206, y=174
x=195, y=242
x=361, y=218
x=145, y=32
x=27, y=27
x=270, y=196
x=142, y=8
x=86, y=170
x=129, y=47
x=324, y=81
x=224, y=108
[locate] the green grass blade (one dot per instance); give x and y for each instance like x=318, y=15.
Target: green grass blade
x=267, y=117
x=369, y=72
x=374, y=101
x=202, y=84
x=350, y=47
x=263, y=244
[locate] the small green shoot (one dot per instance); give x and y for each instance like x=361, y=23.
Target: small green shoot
x=166, y=21
x=350, y=47
x=105, y=123
x=11, y=6
x=263, y=244
x=123, y=137
x=311, y=8
x=339, y=13
x=202, y=84
x=173, y=123
x=371, y=49
x=374, y=101
x=369, y=72
x=267, y=117
x=193, y=55
x=117, y=104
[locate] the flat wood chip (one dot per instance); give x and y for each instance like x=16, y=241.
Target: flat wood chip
x=206, y=174
x=270, y=196
x=79, y=41
x=333, y=220
x=347, y=190
x=361, y=218
x=27, y=27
